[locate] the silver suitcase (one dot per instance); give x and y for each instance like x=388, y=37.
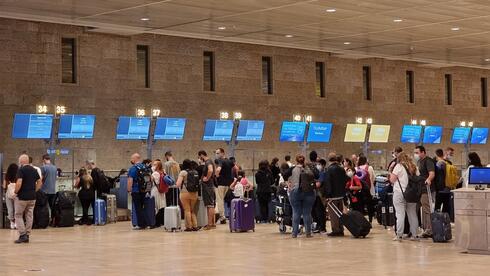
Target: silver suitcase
x=201, y=213
x=111, y=208
x=172, y=219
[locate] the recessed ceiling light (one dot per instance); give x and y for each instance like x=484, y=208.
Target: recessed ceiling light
x=455, y=29
x=397, y=20
x=221, y=28
x=145, y=19
x=289, y=36
x=487, y=59
x=347, y=43
x=330, y=10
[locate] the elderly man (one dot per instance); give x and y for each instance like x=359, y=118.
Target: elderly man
x=28, y=183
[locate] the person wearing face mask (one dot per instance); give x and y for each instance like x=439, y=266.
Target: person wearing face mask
x=394, y=154
x=158, y=174
x=473, y=161
x=318, y=213
x=138, y=197
x=449, y=155
x=224, y=175
x=426, y=166
x=353, y=187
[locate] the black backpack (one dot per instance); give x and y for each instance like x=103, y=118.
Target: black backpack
x=413, y=192
x=192, y=184
x=144, y=178
x=307, y=179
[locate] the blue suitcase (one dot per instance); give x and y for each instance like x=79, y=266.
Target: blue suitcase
x=100, y=212
x=149, y=211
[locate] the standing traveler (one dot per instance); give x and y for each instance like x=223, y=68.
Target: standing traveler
x=158, y=174
x=235, y=168
x=275, y=170
x=427, y=169
x=172, y=169
x=301, y=196
x=101, y=183
x=264, y=181
x=353, y=187
x=319, y=213
x=9, y=186
x=36, y=168
x=287, y=158
x=474, y=161
x=224, y=174
x=136, y=188
x=368, y=184
x=443, y=193
x=208, y=194
x=49, y=173
x=334, y=191
x=399, y=177
x=28, y=183
x=85, y=183
x=188, y=182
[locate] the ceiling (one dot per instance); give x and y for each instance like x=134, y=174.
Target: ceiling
x=439, y=32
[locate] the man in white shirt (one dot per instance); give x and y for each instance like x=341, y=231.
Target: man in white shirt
x=37, y=169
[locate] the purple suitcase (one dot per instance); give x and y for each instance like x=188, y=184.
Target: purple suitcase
x=242, y=217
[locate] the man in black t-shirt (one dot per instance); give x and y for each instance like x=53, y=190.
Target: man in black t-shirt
x=28, y=183
x=427, y=170
x=224, y=174
x=208, y=193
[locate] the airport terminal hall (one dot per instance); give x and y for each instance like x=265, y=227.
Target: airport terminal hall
x=244, y=137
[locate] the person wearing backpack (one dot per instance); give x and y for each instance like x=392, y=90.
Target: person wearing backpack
x=400, y=179
x=188, y=183
x=426, y=166
x=302, y=195
x=138, y=176
x=367, y=180
x=443, y=178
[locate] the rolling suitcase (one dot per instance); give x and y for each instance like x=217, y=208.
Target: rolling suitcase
x=64, y=209
x=172, y=215
x=149, y=211
x=100, y=212
x=111, y=208
x=354, y=221
x=242, y=217
x=201, y=213
x=41, y=211
x=440, y=222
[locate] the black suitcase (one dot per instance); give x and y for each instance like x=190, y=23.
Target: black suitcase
x=64, y=209
x=64, y=218
x=354, y=221
x=41, y=211
x=440, y=222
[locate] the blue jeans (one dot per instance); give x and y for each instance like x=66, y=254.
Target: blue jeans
x=139, y=206
x=302, y=204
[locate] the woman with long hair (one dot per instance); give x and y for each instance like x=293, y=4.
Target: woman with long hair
x=85, y=183
x=399, y=178
x=9, y=186
x=474, y=161
x=264, y=180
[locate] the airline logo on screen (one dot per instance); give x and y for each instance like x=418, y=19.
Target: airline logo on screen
x=432, y=135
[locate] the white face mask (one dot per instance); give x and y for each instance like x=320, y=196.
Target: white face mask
x=394, y=155
x=319, y=167
x=416, y=157
x=153, y=168
x=449, y=157
x=350, y=174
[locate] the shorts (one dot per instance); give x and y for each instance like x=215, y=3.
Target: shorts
x=208, y=195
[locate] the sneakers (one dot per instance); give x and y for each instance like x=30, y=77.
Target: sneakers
x=426, y=235
x=414, y=238
x=222, y=221
x=397, y=238
x=22, y=239
x=12, y=225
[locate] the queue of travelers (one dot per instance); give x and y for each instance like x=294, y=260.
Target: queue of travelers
x=337, y=183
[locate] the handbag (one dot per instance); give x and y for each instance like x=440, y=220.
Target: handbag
x=11, y=191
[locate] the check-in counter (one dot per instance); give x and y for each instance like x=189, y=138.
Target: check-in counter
x=472, y=220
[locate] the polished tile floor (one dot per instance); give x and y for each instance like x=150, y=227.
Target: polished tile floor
x=115, y=249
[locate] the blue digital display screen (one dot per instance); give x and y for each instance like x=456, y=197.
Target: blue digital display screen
x=411, y=134
x=133, y=128
x=479, y=176
x=218, y=130
x=76, y=127
x=432, y=135
x=460, y=135
x=32, y=126
x=250, y=130
x=292, y=131
x=170, y=128
x=319, y=132
x=479, y=136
